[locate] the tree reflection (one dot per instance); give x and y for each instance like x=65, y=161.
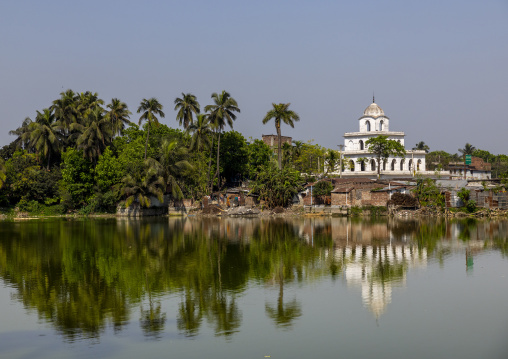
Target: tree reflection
x=152, y=320
x=85, y=276
x=283, y=314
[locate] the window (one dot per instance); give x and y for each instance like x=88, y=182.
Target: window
x=367, y=123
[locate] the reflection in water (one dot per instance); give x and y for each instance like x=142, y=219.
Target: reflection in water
x=378, y=269
x=84, y=276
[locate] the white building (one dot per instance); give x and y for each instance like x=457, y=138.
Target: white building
x=374, y=123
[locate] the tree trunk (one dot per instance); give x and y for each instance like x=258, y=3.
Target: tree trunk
x=378, y=168
x=218, y=169
x=147, y=135
x=277, y=126
x=210, y=166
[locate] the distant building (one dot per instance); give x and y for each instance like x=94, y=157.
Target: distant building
x=374, y=123
x=478, y=169
x=273, y=142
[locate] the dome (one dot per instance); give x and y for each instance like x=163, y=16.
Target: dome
x=373, y=110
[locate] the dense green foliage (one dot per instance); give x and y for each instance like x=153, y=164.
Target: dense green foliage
x=322, y=188
x=277, y=187
x=82, y=155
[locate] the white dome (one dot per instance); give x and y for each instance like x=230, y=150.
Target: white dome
x=373, y=110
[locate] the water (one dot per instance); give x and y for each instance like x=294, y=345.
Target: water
x=253, y=288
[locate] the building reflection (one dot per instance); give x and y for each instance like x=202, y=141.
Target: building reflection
x=378, y=269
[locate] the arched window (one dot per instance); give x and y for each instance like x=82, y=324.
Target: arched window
x=384, y=165
x=418, y=165
x=361, y=145
x=394, y=162
x=362, y=166
x=410, y=167
x=350, y=145
x=352, y=165
x=367, y=123
x=402, y=165
x=372, y=165
x=381, y=125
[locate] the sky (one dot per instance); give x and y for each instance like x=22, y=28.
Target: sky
x=438, y=68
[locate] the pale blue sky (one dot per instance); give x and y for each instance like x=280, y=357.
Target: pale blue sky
x=439, y=69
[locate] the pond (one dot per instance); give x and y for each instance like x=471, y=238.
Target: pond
x=253, y=288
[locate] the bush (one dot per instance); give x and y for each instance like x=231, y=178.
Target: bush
x=471, y=206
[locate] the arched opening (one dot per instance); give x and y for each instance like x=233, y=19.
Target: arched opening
x=384, y=165
x=352, y=165
x=367, y=123
x=372, y=165
x=361, y=145
x=381, y=125
x=410, y=167
x=418, y=165
x=362, y=166
x=394, y=162
x=402, y=165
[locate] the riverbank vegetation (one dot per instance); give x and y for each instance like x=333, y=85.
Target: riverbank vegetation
x=83, y=155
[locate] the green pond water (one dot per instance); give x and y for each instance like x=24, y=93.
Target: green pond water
x=253, y=288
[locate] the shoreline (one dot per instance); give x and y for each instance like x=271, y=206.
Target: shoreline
x=254, y=212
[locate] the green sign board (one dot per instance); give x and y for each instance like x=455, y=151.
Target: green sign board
x=468, y=159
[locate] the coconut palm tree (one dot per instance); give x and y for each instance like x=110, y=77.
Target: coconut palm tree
x=140, y=187
x=118, y=115
x=65, y=109
x=222, y=112
x=86, y=103
x=150, y=109
x=23, y=134
x=186, y=106
x=280, y=112
x=44, y=135
x=468, y=149
x=174, y=162
x=96, y=134
x=421, y=146
x=201, y=131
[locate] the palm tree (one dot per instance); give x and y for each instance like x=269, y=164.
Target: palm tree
x=174, y=162
x=44, y=134
x=201, y=131
x=144, y=185
x=279, y=113
x=421, y=146
x=186, y=106
x=468, y=149
x=23, y=134
x=222, y=112
x=86, y=103
x=150, y=108
x=118, y=115
x=65, y=109
x=95, y=134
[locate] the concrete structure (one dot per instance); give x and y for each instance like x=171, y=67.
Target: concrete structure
x=273, y=142
x=374, y=123
x=478, y=169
